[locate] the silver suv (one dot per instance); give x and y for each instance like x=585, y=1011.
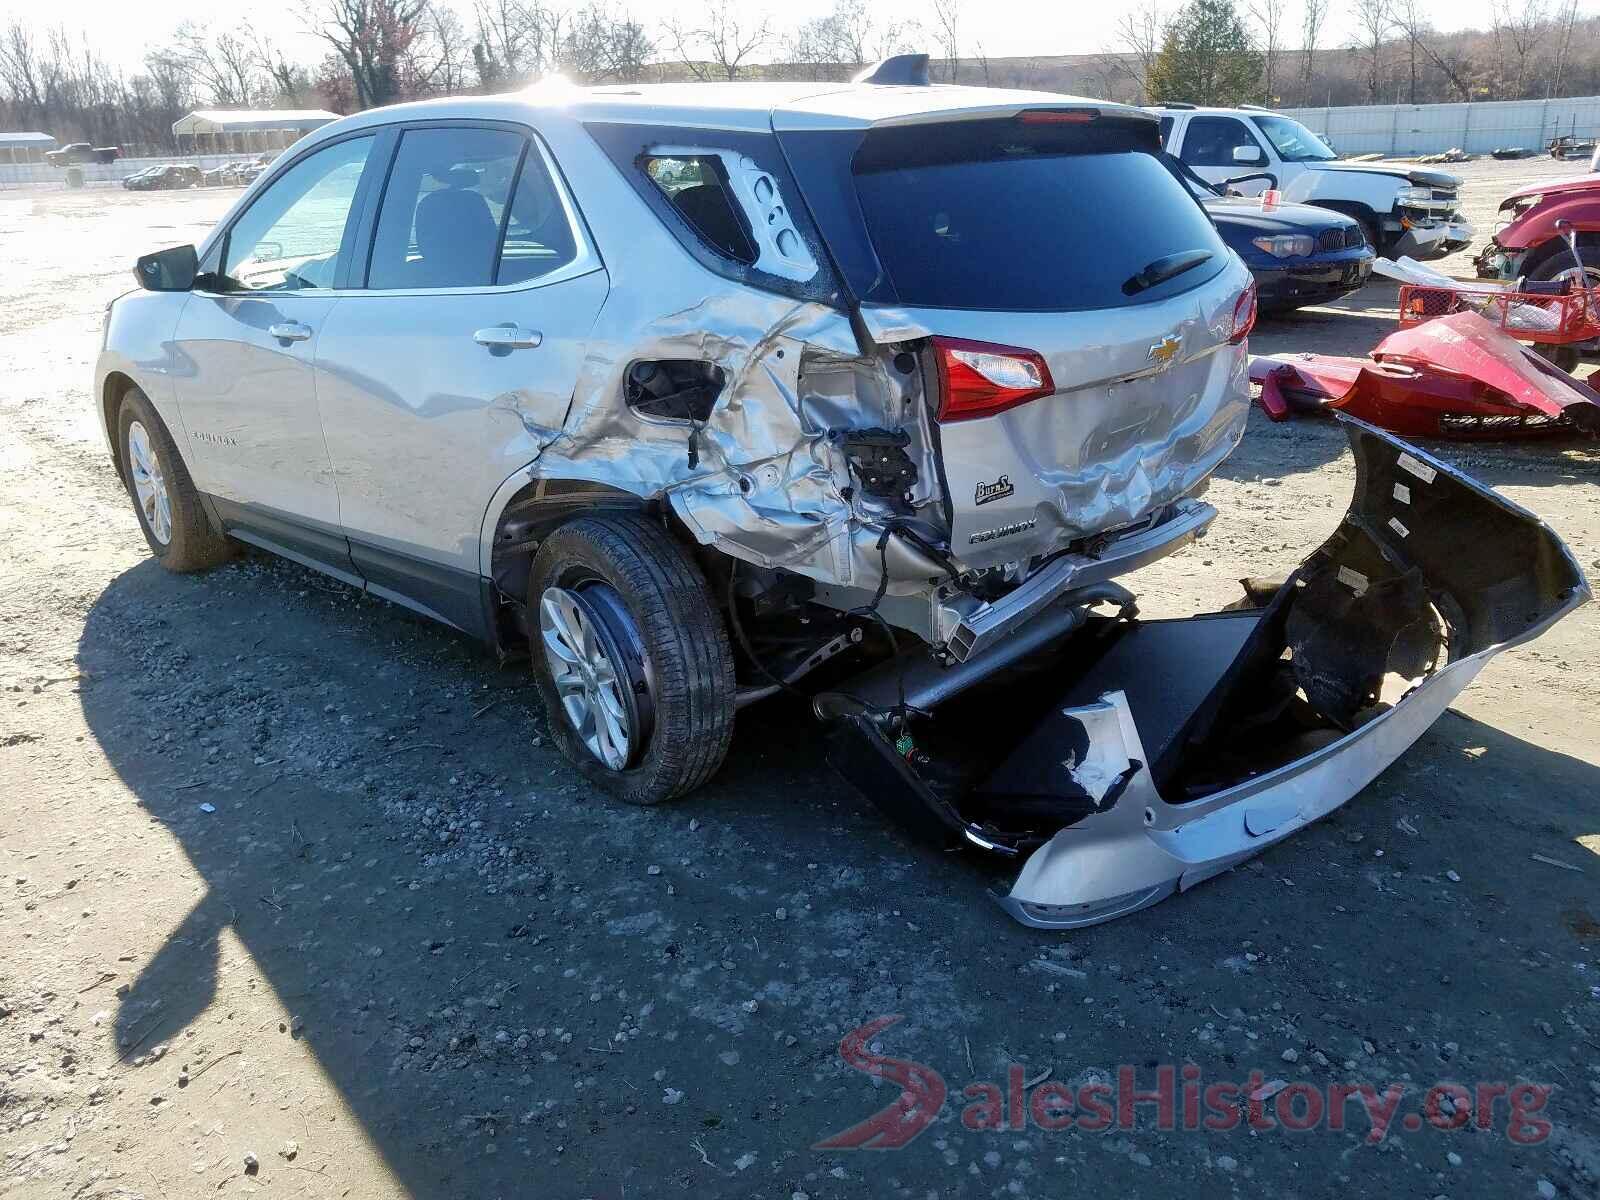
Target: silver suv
x=698, y=393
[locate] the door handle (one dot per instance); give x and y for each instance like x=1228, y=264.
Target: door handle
x=289, y=331
x=508, y=337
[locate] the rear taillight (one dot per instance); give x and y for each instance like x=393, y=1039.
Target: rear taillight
x=1244, y=315
x=979, y=379
x=1058, y=116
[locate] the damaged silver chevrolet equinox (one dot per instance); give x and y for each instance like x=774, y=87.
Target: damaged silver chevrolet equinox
x=698, y=394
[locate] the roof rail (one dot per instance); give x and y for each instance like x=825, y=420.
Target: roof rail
x=1175, y=104
x=1257, y=108
x=905, y=70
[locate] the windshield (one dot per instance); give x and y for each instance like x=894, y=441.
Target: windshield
x=1010, y=216
x=1293, y=141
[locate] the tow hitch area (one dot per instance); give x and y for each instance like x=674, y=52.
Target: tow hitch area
x=1117, y=760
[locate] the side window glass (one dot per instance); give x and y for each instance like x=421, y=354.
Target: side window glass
x=444, y=208
x=289, y=238
x=1211, y=141
x=539, y=234
x=1166, y=129
x=697, y=188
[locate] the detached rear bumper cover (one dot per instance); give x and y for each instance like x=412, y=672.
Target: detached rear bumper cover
x=1428, y=576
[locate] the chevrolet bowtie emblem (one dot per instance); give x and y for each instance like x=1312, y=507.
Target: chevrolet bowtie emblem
x=1164, y=351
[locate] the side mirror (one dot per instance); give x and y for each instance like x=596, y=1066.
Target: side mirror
x=171, y=270
x=1247, y=154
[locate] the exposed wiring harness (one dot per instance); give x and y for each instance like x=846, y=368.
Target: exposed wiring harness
x=896, y=717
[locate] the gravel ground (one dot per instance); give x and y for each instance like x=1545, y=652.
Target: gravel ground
x=297, y=899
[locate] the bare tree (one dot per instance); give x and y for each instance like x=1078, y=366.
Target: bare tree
x=601, y=47
x=721, y=46
x=847, y=38
x=222, y=65
x=1518, y=28
x=516, y=40
x=288, y=81
x=372, y=38
x=23, y=74
x=1421, y=38
x=437, y=60
x=1565, y=23
x=1311, y=22
x=1136, y=44
x=1269, y=16
x=1374, y=23
x=947, y=31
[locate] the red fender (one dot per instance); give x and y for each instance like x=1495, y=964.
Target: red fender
x=1454, y=376
x=1580, y=209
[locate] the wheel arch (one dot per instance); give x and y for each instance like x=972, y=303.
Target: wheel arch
x=113, y=388
x=1365, y=213
x=523, y=513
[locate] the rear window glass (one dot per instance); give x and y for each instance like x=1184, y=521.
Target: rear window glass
x=1012, y=218
x=697, y=188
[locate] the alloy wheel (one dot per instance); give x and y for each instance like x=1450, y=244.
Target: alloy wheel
x=149, y=483
x=584, y=651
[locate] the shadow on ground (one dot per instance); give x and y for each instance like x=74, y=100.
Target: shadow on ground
x=503, y=973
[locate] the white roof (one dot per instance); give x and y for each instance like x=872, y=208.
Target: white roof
x=219, y=120
x=26, y=139
x=746, y=106
x=1212, y=110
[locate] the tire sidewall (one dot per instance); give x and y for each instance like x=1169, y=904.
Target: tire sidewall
x=569, y=551
x=195, y=545
x=135, y=407
x=1555, y=258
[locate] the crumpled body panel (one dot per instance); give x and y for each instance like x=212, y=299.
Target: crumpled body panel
x=769, y=478
x=1452, y=376
x=1114, y=762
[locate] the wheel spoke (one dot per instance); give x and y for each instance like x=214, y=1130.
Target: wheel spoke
x=588, y=682
x=613, y=736
x=149, y=484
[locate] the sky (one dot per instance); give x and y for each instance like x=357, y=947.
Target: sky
x=121, y=30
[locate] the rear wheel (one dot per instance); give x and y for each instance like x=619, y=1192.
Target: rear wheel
x=631, y=658
x=165, y=499
x=1555, y=260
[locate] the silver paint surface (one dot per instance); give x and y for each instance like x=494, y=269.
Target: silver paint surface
x=391, y=422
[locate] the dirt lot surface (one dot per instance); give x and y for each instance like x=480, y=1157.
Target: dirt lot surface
x=296, y=899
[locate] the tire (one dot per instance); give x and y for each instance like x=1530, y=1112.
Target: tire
x=651, y=612
x=1554, y=259
x=190, y=544
x=1566, y=357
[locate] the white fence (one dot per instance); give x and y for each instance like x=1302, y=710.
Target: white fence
x=1478, y=128
x=44, y=175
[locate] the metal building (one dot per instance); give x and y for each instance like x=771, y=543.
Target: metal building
x=25, y=147
x=222, y=131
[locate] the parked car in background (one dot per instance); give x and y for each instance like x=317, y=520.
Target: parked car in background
x=1402, y=210
x=1298, y=254
x=218, y=176
x=132, y=182
x=1532, y=242
x=166, y=178
x=81, y=154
